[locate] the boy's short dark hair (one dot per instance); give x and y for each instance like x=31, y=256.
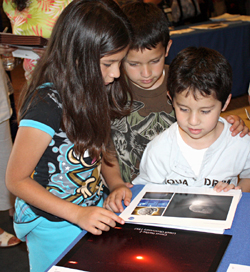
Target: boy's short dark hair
x=200, y=70
x=149, y=25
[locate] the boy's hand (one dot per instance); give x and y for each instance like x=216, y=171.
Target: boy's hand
x=114, y=201
x=238, y=125
x=222, y=186
x=96, y=219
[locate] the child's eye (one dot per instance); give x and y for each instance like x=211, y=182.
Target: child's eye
x=205, y=112
x=155, y=61
x=107, y=64
x=132, y=64
x=181, y=109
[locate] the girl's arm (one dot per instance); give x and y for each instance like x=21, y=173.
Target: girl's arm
x=118, y=189
x=29, y=146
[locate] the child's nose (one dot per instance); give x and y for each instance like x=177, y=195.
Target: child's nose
x=193, y=119
x=145, y=72
x=115, y=73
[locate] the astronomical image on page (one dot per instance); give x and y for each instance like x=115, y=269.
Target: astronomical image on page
x=214, y=207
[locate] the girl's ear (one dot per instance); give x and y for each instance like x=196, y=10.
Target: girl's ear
x=227, y=102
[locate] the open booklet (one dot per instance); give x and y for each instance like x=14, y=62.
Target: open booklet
x=137, y=248
x=189, y=208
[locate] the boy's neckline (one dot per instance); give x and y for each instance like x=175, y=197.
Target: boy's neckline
x=149, y=93
x=158, y=83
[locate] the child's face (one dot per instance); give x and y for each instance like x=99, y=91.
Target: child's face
x=145, y=68
x=110, y=66
x=198, y=119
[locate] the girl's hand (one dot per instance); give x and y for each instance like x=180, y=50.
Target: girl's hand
x=222, y=186
x=96, y=219
x=114, y=201
x=238, y=125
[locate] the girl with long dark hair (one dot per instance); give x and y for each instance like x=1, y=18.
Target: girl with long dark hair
x=64, y=131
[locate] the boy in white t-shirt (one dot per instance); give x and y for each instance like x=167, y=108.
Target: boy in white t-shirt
x=198, y=150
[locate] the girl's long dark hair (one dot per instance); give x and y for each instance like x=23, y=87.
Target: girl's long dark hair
x=86, y=31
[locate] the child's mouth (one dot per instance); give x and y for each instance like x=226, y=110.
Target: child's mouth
x=147, y=81
x=194, y=131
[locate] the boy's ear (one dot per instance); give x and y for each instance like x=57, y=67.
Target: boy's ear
x=168, y=47
x=227, y=102
x=169, y=97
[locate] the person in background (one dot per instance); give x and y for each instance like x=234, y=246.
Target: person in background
x=198, y=150
x=64, y=131
x=33, y=18
x=146, y=74
x=206, y=7
x=219, y=7
x=13, y=119
x=249, y=94
x=236, y=6
x=247, y=4
x=6, y=198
